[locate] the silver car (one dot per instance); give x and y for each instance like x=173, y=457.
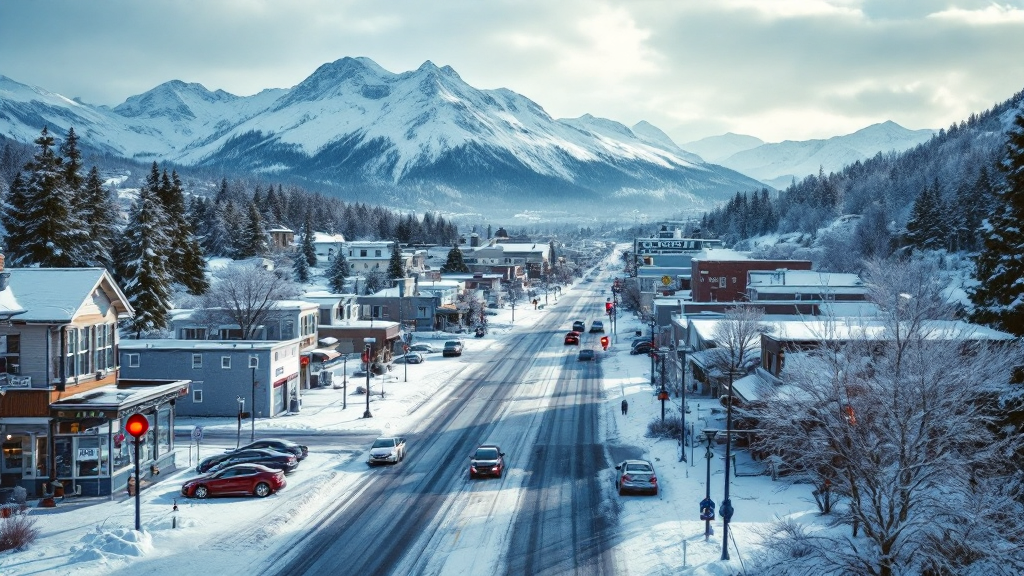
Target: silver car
x=387, y=450
x=636, y=476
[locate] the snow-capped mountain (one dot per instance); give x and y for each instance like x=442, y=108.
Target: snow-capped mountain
x=422, y=139
x=718, y=148
x=778, y=164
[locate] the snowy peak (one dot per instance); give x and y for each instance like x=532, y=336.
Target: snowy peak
x=718, y=148
x=175, y=100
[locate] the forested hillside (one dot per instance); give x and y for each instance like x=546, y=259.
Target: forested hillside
x=932, y=196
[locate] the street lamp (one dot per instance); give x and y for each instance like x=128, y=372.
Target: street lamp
x=254, y=361
x=241, y=409
x=682, y=410
x=368, y=342
x=344, y=383
x=726, y=503
x=707, y=506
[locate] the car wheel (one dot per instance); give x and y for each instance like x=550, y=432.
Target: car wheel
x=262, y=490
x=201, y=492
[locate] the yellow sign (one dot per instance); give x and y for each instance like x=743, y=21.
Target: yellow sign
x=666, y=280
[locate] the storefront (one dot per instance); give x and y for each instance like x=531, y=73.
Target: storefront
x=92, y=454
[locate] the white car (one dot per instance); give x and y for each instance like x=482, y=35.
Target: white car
x=423, y=347
x=387, y=450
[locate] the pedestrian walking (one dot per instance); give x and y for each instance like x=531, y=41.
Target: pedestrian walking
x=625, y=407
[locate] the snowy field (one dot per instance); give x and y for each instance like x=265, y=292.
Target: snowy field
x=659, y=535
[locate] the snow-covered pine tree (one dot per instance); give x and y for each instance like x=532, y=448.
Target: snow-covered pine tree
x=925, y=228
x=454, y=263
x=300, y=269
x=141, y=264
x=53, y=235
x=100, y=213
x=337, y=273
x=396, y=266
x=73, y=169
x=307, y=250
x=185, y=256
x=231, y=224
x=999, y=296
x=15, y=205
x=253, y=238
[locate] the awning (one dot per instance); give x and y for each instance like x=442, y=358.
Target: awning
x=324, y=356
x=119, y=401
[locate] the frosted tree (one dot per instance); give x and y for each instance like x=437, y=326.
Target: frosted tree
x=999, y=297
x=904, y=428
x=338, y=272
x=396, y=265
x=244, y=296
x=300, y=269
x=100, y=214
x=454, y=263
x=253, y=236
x=376, y=281
x=307, y=251
x=141, y=264
x=52, y=233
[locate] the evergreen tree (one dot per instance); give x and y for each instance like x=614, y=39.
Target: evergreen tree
x=301, y=269
x=454, y=263
x=52, y=232
x=253, y=236
x=141, y=264
x=231, y=224
x=337, y=273
x=396, y=266
x=73, y=170
x=307, y=251
x=16, y=203
x=375, y=282
x=925, y=228
x=99, y=212
x=999, y=297
x=185, y=255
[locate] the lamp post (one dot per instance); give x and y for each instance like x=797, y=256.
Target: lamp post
x=682, y=409
x=653, y=349
x=727, y=510
x=344, y=383
x=137, y=425
x=253, y=362
x=368, y=342
x=707, y=509
x=241, y=408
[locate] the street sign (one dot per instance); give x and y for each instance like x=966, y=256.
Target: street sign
x=666, y=280
x=197, y=433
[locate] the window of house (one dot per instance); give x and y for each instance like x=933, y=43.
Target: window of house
x=225, y=362
x=376, y=253
x=362, y=253
x=721, y=282
x=197, y=395
x=133, y=360
x=103, y=352
x=193, y=333
x=197, y=360
x=254, y=361
x=10, y=353
x=288, y=330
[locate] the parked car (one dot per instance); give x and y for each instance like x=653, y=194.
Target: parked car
x=636, y=476
x=596, y=327
x=579, y=326
x=410, y=358
x=572, y=338
x=642, y=348
x=452, y=348
x=280, y=445
x=586, y=355
x=488, y=460
x=270, y=458
x=423, y=347
x=387, y=450
x=240, y=479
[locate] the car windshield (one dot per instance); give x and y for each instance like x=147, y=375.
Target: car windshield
x=638, y=468
x=451, y=343
x=486, y=454
x=384, y=443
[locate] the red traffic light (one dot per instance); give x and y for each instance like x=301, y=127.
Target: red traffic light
x=608, y=306
x=366, y=355
x=137, y=425
x=604, y=341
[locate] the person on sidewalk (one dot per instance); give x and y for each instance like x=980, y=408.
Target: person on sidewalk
x=625, y=406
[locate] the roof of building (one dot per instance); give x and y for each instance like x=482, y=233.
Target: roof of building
x=56, y=294
x=765, y=279
x=327, y=238
x=221, y=345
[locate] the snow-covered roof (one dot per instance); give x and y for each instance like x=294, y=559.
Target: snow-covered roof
x=56, y=294
x=114, y=396
x=9, y=304
x=852, y=328
x=771, y=279
x=717, y=254
x=323, y=237
x=538, y=247
x=229, y=345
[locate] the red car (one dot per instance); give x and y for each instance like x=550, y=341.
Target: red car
x=572, y=338
x=237, y=480
x=488, y=460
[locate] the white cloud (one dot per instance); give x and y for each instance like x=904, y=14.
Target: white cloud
x=992, y=15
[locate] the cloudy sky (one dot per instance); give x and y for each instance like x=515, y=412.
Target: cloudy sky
x=775, y=69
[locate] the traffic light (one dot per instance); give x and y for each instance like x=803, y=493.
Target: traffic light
x=608, y=307
x=604, y=342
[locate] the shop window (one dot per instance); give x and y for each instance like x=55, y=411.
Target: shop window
x=90, y=457
x=12, y=453
x=163, y=432
x=121, y=457
x=64, y=456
